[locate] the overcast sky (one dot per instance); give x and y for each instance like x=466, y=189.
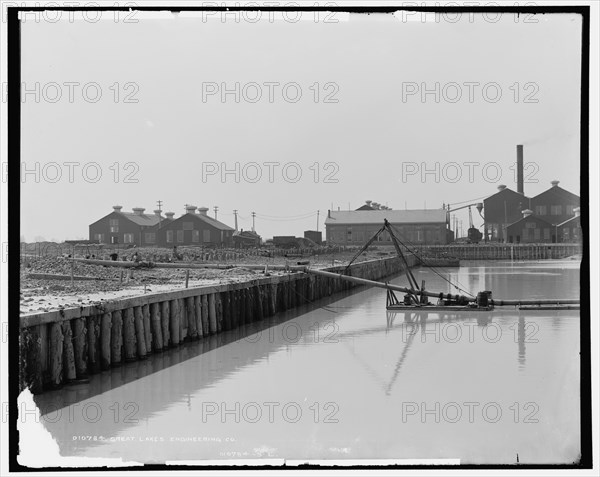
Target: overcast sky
x=370, y=144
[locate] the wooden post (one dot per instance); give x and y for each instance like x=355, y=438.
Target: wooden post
x=219, y=311
x=235, y=309
x=174, y=322
x=165, y=319
x=157, y=338
x=212, y=313
x=31, y=370
x=191, y=318
x=140, y=333
x=147, y=328
x=129, y=340
x=183, y=325
x=80, y=347
x=273, y=299
x=105, y=334
x=226, y=301
x=93, y=335
x=205, y=320
x=197, y=300
x=68, y=354
x=187, y=277
x=56, y=354
x=116, y=342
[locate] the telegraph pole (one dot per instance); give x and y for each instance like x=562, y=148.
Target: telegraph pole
x=235, y=215
x=318, y=212
x=159, y=203
x=216, y=208
x=253, y=216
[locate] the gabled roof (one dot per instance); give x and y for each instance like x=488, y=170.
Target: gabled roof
x=145, y=220
x=506, y=191
x=559, y=192
x=569, y=220
x=203, y=218
x=532, y=217
x=351, y=217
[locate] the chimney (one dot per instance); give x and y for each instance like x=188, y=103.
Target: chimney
x=117, y=208
x=368, y=202
x=170, y=215
x=527, y=212
x=138, y=210
x=375, y=205
x=501, y=187
x=520, y=169
x=157, y=212
x=203, y=210
x=190, y=209
x=577, y=211
x=554, y=183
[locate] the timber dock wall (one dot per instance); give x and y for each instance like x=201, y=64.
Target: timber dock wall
x=68, y=345
x=514, y=251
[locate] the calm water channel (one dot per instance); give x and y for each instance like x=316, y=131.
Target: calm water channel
x=344, y=379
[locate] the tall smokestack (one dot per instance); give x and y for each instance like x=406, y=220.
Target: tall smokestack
x=520, y=169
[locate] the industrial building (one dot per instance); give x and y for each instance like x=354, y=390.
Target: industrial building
x=140, y=229
x=135, y=227
x=507, y=208
x=355, y=227
x=194, y=227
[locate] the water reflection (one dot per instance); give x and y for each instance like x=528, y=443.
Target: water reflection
x=369, y=364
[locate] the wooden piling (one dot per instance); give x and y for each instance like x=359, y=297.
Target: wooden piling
x=212, y=313
x=31, y=340
x=183, y=326
x=226, y=301
x=140, y=334
x=206, y=330
x=129, y=341
x=165, y=317
x=105, y=334
x=80, y=347
x=116, y=342
x=147, y=328
x=93, y=343
x=56, y=355
x=191, y=318
x=259, y=304
x=219, y=311
x=174, y=322
x=68, y=353
x=157, y=338
x=197, y=300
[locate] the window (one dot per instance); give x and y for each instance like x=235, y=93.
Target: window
x=556, y=210
x=540, y=210
x=537, y=234
x=114, y=225
x=419, y=235
x=99, y=237
x=195, y=236
x=546, y=233
x=530, y=225
x=525, y=233
x=169, y=236
x=180, y=236
x=127, y=238
x=349, y=234
x=570, y=209
x=566, y=233
x=188, y=226
x=150, y=237
x=206, y=236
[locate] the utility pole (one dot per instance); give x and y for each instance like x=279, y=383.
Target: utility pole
x=318, y=212
x=159, y=203
x=253, y=216
x=216, y=208
x=235, y=215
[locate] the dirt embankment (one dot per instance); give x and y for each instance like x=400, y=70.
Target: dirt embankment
x=46, y=281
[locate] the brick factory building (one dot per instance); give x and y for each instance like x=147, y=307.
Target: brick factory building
x=355, y=227
x=140, y=229
x=506, y=207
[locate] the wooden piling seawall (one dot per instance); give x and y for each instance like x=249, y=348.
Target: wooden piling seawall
x=63, y=346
